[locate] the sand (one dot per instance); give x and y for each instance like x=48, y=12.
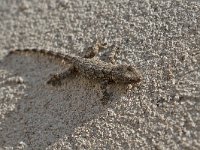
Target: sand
x=161, y=38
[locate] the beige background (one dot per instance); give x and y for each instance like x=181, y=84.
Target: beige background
x=161, y=38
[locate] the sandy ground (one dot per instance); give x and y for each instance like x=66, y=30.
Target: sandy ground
x=161, y=38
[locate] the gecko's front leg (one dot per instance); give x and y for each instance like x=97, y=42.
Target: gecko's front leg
x=112, y=55
x=57, y=78
x=94, y=50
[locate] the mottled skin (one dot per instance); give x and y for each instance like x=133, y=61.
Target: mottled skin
x=106, y=71
x=90, y=67
x=96, y=69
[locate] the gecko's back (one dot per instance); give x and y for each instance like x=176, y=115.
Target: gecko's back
x=96, y=69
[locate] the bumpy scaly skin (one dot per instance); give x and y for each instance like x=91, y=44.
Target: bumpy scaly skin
x=96, y=69
x=91, y=68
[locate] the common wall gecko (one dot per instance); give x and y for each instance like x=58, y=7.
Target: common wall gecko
x=90, y=67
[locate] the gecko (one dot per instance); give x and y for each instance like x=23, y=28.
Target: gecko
x=90, y=67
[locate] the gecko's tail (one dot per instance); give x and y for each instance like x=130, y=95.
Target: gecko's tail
x=59, y=55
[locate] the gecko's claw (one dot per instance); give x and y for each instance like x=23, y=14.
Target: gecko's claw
x=54, y=80
x=106, y=97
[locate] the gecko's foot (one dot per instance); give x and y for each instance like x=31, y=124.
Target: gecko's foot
x=54, y=80
x=106, y=98
x=94, y=50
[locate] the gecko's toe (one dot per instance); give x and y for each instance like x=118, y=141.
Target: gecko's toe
x=54, y=80
x=104, y=101
x=106, y=98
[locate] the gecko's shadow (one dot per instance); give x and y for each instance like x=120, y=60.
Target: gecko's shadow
x=43, y=114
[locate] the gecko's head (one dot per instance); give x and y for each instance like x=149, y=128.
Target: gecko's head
x=126, y=74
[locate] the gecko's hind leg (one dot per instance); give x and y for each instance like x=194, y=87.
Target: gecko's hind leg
x=56, y=79
x=94, y=50
x=106, y=95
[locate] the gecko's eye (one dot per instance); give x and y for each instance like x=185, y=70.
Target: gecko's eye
x=130, y=68
x=104, y=44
